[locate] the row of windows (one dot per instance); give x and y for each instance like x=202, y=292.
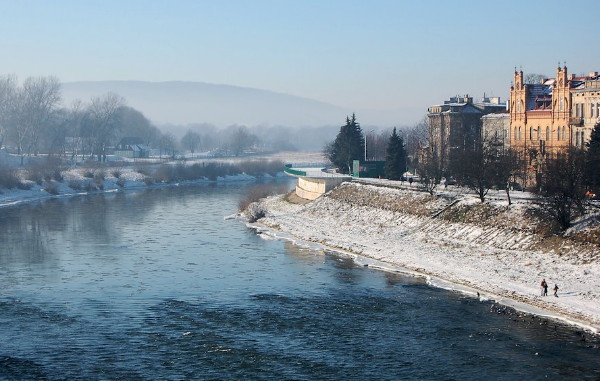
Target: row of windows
x=580, y=110
x=536, y=133
x=579, y=139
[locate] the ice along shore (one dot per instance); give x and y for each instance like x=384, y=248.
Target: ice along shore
x=499, y=251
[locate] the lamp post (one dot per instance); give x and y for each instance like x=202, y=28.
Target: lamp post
x=366, y=144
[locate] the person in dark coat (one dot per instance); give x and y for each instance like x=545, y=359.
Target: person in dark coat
x=544, y=287
x=555, y=290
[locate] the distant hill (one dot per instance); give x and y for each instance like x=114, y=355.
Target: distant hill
x=222, y=105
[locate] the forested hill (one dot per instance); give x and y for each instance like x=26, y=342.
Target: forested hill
x=197, y=102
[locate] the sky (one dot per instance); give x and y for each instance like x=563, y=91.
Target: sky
x=376, y=54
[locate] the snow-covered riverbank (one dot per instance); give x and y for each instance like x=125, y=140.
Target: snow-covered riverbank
x=76, y=184
x=502, y=258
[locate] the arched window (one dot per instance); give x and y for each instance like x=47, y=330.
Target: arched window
x=547, y=133
x=516, y=136
x=558, y=133
x=539, y=132
x=530, y=133
x=564, y=133
x=562, y=104
x=520, y=133
x=577, y=139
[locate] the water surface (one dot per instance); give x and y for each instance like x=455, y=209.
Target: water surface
x=158, y=285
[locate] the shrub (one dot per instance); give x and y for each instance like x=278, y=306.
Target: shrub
x=255, y=212
x=24, y=186
x=51, y=187
x=88, y=173
x=75, y=185
x=9, y=178
x=116, y=173
x=35, y=176
x=121, y=182
x=57, y=176
x=143, y=170
x=258, y=192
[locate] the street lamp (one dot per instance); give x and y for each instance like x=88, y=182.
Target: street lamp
x=366, y=144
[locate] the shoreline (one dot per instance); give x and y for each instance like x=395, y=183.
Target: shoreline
x=436, y=262
x=431, y=280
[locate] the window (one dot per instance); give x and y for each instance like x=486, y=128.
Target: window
x=519, y=133
x=539, y=131
x=592, y=110
x=577, y=139
x=547, y=133
x=530, y=133
x=562, y=104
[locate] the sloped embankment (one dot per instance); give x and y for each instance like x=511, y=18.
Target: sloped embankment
x=501, y=250
x=466, y=220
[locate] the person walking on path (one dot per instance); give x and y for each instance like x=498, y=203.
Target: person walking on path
x=555, y=290
x=544, y=287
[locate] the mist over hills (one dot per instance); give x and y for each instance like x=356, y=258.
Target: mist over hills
x=177, y=106
x=221, y=105
x=182, y=103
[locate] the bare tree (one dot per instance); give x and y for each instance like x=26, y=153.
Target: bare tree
x=417, y=138
x=40, y=97
x=533, y=78
x=101, y=123
x=429, y=172
x=191, y=141
x=167, y=144
x=562, y=192
x=505, y=169
x=8, y=98
x=241, y=140
x=476, y=167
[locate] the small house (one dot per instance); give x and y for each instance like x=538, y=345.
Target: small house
x=131, y=147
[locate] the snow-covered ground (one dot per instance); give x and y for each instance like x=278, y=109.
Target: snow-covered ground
x=499, y=261
x=129, y=177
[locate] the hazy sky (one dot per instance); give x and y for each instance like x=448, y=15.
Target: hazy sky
x=372, y=54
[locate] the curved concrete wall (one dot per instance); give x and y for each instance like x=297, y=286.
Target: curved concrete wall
x=311, y=188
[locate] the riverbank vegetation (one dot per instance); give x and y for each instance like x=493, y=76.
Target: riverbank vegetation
x=52, y=175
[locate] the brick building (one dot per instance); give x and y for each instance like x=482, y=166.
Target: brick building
x=456, y=124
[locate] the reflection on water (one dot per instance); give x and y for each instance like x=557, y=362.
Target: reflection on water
x=157, y=285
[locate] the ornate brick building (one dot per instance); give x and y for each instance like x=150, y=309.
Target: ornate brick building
x=551, y=116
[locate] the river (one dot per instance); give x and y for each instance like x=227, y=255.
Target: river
x=157, y=284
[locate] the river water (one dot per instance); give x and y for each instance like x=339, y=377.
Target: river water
x=156, y=284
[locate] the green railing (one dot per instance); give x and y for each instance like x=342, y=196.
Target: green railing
x=288, y=169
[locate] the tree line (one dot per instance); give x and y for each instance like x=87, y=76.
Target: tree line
x=351, y=144
x=34, y=121
x=566, y=182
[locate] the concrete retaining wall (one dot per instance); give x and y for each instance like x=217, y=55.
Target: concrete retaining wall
x=312, y=188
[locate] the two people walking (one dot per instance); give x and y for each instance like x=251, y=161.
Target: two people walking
x=544, y=286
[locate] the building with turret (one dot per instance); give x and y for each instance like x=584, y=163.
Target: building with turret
x=550, y=116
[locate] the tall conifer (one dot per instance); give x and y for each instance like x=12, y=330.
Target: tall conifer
x=395, y=157
x=348, y=145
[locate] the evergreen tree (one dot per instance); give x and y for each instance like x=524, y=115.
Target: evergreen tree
x=348, y=145
x=395, y=157
x=592, y=165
